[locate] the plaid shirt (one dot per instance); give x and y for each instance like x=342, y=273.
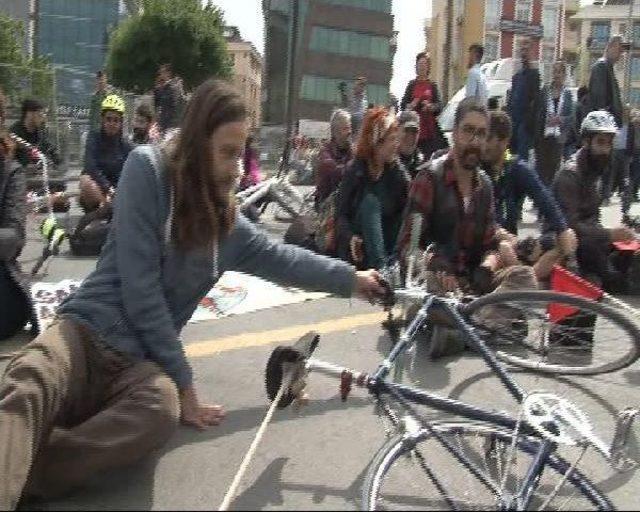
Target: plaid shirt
x=421, y=200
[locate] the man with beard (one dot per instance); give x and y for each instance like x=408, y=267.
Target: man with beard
x=454, y=198
x=145, y=129
x=576, y=189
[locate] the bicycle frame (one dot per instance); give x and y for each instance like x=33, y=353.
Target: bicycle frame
x=378, y=385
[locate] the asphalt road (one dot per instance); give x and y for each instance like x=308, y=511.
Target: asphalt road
x=313, y=459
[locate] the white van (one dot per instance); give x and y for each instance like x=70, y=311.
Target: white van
x=499, y=74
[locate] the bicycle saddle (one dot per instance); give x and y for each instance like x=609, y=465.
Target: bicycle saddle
x=294, y=357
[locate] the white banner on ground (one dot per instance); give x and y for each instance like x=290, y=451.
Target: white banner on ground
x=234, y=294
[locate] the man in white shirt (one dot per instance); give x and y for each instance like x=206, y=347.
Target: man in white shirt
x=476, y=81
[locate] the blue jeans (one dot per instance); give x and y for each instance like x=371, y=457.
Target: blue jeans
x=521, y=141
x=379, y=233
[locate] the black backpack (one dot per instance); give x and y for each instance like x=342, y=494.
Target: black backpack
x=88, y=241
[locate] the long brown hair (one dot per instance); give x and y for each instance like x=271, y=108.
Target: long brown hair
x=203, y=212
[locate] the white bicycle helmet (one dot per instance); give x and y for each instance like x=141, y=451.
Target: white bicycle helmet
x=599, y=121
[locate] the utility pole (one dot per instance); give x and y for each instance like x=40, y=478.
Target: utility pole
x=629, y=38
x=290, y=93
x=447, y=51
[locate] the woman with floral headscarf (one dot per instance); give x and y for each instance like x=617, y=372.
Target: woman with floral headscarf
x=372, y=194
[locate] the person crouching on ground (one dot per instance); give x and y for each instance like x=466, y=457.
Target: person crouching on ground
x=372, y=194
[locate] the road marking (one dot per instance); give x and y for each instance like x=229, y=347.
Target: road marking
x=261, y=338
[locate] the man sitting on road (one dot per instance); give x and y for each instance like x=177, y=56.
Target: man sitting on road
x=576, y=189
x=454, y=198
x=410, y=157
x=513, y=180
x=333, y=157
x=105, y=155
x=31, y=128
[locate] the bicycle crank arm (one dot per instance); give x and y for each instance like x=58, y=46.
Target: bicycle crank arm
x=618, y=451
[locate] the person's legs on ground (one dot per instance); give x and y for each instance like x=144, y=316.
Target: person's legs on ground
x=524, y=141
x=37, y=386
x=370, y=222
x=91, y=196
x=139, y=412
x=14, y=304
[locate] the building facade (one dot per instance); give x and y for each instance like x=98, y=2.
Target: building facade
x=500, y=25
x=338, y=40
x=74, y=36
x=247, y=73
x=595, y=24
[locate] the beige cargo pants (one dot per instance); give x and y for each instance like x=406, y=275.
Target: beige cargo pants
x=71, y=407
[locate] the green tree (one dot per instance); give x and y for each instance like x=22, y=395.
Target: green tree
x=184, y=33
x=19, y=75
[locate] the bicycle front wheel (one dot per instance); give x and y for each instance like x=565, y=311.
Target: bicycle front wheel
x=555, y=332
x=420, y=473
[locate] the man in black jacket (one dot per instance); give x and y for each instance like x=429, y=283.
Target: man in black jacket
x=523, y=103
x=576, y=190
x=604, y=91
x=31, y=128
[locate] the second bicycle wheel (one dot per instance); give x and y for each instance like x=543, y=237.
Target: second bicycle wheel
x=419, y=473
x=555, y=332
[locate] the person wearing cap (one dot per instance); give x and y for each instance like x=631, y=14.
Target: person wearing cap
x=576, y=188
x=333, y=157
x=105, y=154
x=410, y=158
x=372, y=194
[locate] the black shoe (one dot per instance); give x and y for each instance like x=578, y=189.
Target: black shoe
x=633, y=275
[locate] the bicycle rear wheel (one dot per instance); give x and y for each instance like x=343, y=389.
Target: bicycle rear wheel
x=554, y=332
x=419, y=473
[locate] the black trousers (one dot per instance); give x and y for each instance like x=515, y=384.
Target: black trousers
x=15, y=309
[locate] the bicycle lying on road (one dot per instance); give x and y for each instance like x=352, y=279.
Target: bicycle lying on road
x=486, y=460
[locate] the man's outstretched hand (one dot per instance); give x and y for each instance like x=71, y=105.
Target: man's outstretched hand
x=196, y=415
x=369, y=286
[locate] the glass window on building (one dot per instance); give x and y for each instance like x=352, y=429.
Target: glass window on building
x=548, y=57
x=318, y=88
x=635, y=68
x=353, y=44
x=491, y=47
x=550, y=21
x=634, y=97
x=636, y=34
x=600, y=33
x=523, y=10
x=372, y=5
x=492, y=13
